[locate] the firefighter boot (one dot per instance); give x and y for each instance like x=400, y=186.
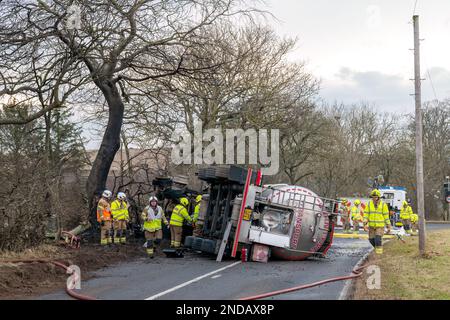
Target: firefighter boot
x=150, y=249
x=123, y=236
x=378, y=244
x=157, y=245
x=111, y=236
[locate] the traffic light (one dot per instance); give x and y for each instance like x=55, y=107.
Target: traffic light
x=447, y=189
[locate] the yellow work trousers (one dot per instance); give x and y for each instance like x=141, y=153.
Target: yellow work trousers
x=153, y=240
x=105, y=233
x=376, y=238
x=120, y=228
x=175, y=236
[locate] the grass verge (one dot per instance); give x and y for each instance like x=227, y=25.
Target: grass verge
x=406, y=275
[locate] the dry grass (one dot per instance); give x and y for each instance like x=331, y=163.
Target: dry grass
x=406, y=275
x=45, y=251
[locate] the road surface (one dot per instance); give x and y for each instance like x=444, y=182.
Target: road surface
x=197, y=277
x=177, y=278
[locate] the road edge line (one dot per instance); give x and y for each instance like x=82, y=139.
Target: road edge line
x=191, y=281
x=345, y=290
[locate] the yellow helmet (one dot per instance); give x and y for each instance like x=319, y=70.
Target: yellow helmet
x=344, y=200
x=405, y=203
x=375, y=193
x=184, y=202
x=357, y=202
x=198, y=198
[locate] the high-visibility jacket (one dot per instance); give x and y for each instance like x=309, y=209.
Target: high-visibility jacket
x=357, y=214
x=405, y=213
x=376, y=217
x=196, y=212
x=152, y=218
x=119, y=210
x=179, y=214
x=414, y=217
x=103, y=210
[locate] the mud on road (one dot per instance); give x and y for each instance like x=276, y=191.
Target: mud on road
x=21, y=281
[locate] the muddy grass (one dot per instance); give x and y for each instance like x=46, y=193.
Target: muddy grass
x=407, y=276
x=24, y=281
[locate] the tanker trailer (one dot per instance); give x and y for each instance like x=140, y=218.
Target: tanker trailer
x=281, y=221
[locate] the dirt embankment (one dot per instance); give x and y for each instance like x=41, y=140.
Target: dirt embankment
x=24, y=280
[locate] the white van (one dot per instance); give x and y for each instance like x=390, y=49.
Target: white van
x=393, y=196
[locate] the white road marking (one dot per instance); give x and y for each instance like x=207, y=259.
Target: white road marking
x=216, y=276
x=191, y=281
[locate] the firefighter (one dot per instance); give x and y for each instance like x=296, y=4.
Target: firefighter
x=376, y=218
x=345, y=215
x=357, y=216
x=391, y=215
x=104, y=217
x=197, y=227
x=120, y=215
x=405, y=216
x=398, y=222
x=179, y=214
x=152, y=215
x=414, y=222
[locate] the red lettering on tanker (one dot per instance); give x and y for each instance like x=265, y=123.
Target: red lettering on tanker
x=324, y=234
x=298, y=228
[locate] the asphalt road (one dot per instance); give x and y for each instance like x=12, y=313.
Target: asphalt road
x=178, y=278
x=159, y=278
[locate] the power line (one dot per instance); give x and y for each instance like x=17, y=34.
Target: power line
x=432, y=85
x=415, y=5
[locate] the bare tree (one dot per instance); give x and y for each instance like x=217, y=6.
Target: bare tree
x=117, y=44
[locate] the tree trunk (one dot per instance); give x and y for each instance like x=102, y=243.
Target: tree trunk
x=96, y=181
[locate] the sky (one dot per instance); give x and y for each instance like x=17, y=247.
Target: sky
x=360, y=49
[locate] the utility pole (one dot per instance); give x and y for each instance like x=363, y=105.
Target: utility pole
x=419, y=146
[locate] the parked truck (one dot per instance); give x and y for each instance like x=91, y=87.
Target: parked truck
x=240, y=215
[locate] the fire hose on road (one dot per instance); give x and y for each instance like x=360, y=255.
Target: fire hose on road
x=356, y=272
x=68, y=270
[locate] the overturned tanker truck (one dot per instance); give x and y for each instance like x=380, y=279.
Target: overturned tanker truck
x=239, y=216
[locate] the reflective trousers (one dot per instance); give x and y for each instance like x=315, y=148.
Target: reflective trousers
x=346, y=222
x=376, y=238
x=153, y=239
x=355, y=226
x=106, y=233
x=120, y=228
x=175, y=236
x=407, y=225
